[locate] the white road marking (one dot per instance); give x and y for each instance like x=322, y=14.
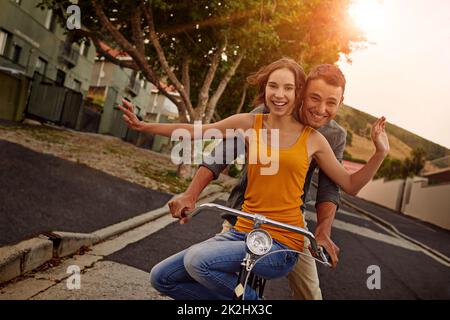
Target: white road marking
x=392, y=239
x=368, y=233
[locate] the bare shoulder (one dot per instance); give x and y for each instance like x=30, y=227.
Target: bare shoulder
x=316, y=136
x=316, y=142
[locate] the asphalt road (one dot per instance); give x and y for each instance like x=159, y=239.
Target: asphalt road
x=405, y=272
x=40, y=192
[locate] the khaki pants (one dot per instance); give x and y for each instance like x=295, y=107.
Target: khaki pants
x=303, y=279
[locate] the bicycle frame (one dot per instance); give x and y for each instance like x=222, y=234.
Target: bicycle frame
x=245, y=274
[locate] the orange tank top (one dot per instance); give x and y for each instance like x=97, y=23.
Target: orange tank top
x=277, y=196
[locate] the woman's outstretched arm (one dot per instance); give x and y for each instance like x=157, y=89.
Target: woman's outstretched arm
x=353, y=183
x=242, y=121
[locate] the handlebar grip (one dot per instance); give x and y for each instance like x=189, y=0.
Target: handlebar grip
x=191, y=213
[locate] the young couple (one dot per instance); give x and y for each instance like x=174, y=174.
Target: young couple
x=301, y=110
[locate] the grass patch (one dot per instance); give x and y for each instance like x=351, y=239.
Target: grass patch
x=44, y=134
x=168, y=177
x=115, y=149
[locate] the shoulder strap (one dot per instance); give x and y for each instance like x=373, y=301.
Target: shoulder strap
x=305, y=134
x=258, y=121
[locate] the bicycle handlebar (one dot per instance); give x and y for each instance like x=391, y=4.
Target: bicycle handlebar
x=263, y=220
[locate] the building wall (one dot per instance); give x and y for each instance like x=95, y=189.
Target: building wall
x=26, y=25
x=12, y=101
x=429, y=203
x=416, y=198
x=113, y=78
x=386, y=193
x=119, y=78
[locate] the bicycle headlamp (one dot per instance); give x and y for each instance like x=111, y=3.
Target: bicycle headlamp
x=259, y=242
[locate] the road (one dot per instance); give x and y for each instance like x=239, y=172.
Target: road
x=406, y=272
x=40, y=192
x=118, y=268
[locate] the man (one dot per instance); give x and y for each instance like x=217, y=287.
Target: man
x=324, y=93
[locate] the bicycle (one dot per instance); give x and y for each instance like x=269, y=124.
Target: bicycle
x=258, y=245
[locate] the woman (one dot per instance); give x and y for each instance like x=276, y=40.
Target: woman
x=208, y=270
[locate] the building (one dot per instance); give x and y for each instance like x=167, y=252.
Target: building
x=437, y=171
x=44, y=75
x=110, y=83
x=41, y=73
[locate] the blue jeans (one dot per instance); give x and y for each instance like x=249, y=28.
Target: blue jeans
x=209, y=270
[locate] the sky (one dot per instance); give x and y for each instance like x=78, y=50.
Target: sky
x=404, y=72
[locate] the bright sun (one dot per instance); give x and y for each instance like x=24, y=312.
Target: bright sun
x=368, y=15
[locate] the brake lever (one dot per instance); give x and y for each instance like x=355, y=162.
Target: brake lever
x=324, y=256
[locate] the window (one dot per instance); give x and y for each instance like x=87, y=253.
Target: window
x=16, y=54
x=137, y=112
x=3, y=41
x=50, y=21
x=41, y=66
x=77, y=85
x=84, y=48
x=60, y=78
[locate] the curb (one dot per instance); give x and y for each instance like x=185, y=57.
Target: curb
x=25, y=256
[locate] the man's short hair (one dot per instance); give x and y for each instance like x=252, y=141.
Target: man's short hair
x=329, y=73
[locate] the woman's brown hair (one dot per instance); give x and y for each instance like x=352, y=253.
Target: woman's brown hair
x=261, y=77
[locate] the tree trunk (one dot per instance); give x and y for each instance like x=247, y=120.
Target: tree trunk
x=241, y=103
x=221, y=88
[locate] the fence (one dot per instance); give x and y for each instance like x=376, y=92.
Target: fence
x=413, y=197
x=54, y=103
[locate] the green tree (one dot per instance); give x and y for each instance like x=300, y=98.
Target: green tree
x=417, y=161
x=199, y=46
x=395, y=169
x=311, y=32
x=391, y=169
x=349, y=138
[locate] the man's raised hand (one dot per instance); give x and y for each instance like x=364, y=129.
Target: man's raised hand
x=379, y=136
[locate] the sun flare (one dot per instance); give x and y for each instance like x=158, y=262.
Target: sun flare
x=368, y=15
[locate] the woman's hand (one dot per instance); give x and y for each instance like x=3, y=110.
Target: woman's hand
x=129, y=117
x=379, y=137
